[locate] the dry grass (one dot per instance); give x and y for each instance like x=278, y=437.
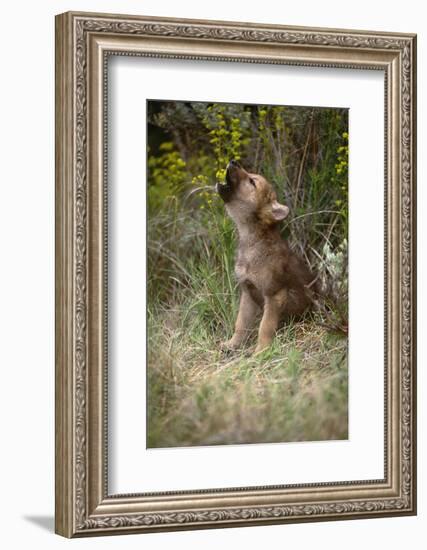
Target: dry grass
x=295, y=391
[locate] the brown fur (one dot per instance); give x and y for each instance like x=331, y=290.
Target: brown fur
x=272, y=279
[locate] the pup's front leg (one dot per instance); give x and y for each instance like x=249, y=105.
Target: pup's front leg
x=273, y=310
x=244, y=323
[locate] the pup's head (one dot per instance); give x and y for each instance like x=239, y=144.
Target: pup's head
x=250, y=197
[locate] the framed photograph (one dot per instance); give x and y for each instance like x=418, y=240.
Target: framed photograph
x=235, y=274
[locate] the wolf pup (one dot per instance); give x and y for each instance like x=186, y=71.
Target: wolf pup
x=272, y=279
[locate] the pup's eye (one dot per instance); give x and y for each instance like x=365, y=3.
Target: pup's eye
x=252, y=182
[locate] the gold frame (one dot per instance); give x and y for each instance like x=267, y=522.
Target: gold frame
x=83, y=43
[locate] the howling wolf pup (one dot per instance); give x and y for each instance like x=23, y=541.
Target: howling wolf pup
x=272, y=279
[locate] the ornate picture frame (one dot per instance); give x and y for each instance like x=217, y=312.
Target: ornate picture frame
x=84, y=42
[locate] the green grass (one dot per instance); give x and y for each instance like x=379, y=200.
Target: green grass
x=295, y=391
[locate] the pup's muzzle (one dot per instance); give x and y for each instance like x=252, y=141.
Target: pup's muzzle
x=226, y=189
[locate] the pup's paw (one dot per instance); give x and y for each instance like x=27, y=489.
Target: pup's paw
x=260, y=348
x=229, y=346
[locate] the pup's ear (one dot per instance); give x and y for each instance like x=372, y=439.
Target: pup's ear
x=279, y=211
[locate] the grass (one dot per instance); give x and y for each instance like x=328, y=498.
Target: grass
x=197, y=394
x=295, y=391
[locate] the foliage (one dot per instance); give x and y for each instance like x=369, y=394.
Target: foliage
x=228, y=130
x=166, y=174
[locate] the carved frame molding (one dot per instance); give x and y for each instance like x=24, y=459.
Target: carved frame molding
x=83, y=43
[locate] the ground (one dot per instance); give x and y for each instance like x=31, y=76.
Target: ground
x=198, y=395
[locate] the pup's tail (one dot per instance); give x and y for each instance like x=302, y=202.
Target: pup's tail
x=314, y=290
x=331, y=307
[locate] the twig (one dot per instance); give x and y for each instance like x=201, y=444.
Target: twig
x=301, y=167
